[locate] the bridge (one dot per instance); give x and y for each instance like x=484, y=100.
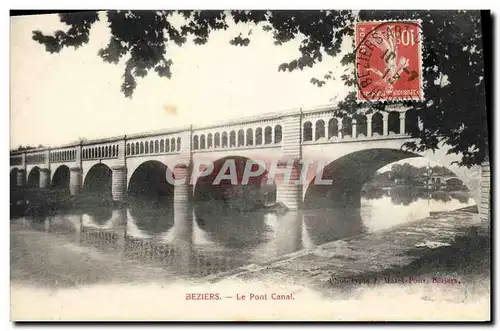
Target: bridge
x=349, y=149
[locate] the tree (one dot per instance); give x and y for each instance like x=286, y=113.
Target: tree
x=25, y=148
x=454, y=109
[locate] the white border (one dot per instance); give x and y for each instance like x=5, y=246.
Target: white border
x=145, y=4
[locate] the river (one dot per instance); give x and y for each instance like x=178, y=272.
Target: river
x=200, y=243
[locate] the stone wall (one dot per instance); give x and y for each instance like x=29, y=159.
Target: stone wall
x=484, y=208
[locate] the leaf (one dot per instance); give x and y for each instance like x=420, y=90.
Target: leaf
x=454, y=114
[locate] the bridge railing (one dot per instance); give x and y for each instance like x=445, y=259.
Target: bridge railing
x=35, y=158
x=318, y=124
x=104, y=151
x=67, y=155
x=328, y=125
x=256, y=134
x=169, y=144
x=16, y=160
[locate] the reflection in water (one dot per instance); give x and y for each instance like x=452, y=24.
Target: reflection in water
x=287, y=233
x=195, y=241
x=406, y=195
x=232, y=229
x=70, y=223
x=152, y=218
x=98, y=216
x=395, y=207
x=330, y=224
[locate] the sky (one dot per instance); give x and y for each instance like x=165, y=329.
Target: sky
x=59, y=98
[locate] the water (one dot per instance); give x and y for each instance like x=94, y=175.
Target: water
x=198, y=242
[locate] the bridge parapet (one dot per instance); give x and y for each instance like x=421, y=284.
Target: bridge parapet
x=319, y=123
x=62, y=155
x=159, y=144
x=329, y=125
x=36, y=158
x=16, y=160
x=100, y=151
x=289, y=136
x=256, y=133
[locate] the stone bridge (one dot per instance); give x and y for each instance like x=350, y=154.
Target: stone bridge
x=349, y=149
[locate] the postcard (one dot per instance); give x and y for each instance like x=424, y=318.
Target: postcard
x=268, y=165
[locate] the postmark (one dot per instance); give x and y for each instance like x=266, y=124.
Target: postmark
x=388, y=60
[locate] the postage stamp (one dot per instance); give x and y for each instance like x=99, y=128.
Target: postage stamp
x=388, y=61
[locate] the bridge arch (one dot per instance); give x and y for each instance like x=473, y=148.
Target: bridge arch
x=149, y=181
x=393, y=122
x=13, y=177
x=377, y=124
x=278, y=134
x=34, y=177
x=233, y=193
x=97, y=180
x=60, y=177
x=232, y=138
x=268, y=135
x=258, y=136
x=209, y=141
x=320, y=129
x=217, y=140
x=333, y=128
x=249, y=137
x=412, y=121
x=350, y=172
x=241, y=137
x=202, y=142
x=347, y=127
x=307, y=131
x=224, y=139
x=196, y=143
x=361, y=125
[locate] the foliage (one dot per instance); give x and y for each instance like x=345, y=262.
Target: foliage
x=25, y=148
x=454, y=114
x=408, y=173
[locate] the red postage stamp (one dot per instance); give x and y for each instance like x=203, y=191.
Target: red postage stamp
x=388, y=61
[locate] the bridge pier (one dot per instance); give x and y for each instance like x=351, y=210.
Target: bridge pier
x=182, y=191
x=75, y=180
x=182, y=241
x=289, y=188
x=484, y=206
x=119, y=224
x=183, y=217
x=288, y=191
x=21, y=178
x=119, y=183
x=44, y=177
